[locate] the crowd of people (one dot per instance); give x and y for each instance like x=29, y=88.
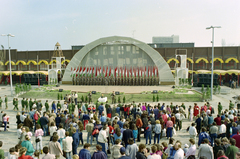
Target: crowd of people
x=117, y=130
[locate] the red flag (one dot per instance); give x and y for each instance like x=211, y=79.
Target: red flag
x=96, y=71
x=109, y=71
x=115, y=72
x=103, y=71
x=106, y=74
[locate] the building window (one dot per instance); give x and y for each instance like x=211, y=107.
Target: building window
x=172, y=64
x=217, y=65
x=230, y=65
x=201, y=65
x=43, y=66
x=22, y=67
x=13, y=67
x=32, y=67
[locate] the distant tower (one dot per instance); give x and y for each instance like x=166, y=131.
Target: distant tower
x=56, y=68
x=57, y=51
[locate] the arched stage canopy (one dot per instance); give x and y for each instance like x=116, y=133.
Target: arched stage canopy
x=81, y=57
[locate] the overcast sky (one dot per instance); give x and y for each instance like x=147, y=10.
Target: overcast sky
x=39, y=24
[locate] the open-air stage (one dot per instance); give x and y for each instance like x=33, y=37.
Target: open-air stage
x=109, y=89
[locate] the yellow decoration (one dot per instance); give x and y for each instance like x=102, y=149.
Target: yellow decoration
x=215, y=59
x=20, y=61
x=52, y=62
x=1, y=63
x=190, y=60
x=13, y=63
x=231, y=58
x=65, y=60
x=44, y=61
x=32, y=61
x=172, y=59
x=200, y=59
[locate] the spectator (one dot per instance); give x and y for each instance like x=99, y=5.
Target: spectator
x=28, y=145
x=116, y=149
x=142, y=152
x=192, y=150
x=38, y=134
x=75, y=143
x=205, y=150
x=22, y=154
x=127, y=134
x=157, y=130
x=217, y=147
x=131, y=149
x=102, y=138
x=123, y=153
x=55, y=147
x=99, y=154
x=47, y=155
x=67, y=145
x=85, y=153
x=232, y=149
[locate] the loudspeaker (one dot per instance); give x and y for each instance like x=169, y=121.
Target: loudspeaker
x=58, y=85
x=117, y=93
x=173, y=86
x=94, y=92
x=60, y=90
x=238, y=106
x=154, y=91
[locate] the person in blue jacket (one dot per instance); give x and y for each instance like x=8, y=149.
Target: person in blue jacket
x=100, y=109
x=75, y=142
x=54, y=106
x=85, y=153
x=203, y=135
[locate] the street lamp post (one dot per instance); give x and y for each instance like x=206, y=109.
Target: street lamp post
x=10, y=68
x=212, y=27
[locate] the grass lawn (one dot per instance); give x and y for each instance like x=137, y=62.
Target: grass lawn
x=196, y=97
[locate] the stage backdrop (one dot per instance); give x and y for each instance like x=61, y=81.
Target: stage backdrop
x=118, y=57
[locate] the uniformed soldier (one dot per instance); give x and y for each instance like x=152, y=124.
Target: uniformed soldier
x=1, y=103
x=6, y=102
x=16, y=104
x=46, y=105
x=22, y=102
x=113, y=98
x=113, y=80
x=30, y=103
x=89, y=97
x=89, y=80
x=26, y=105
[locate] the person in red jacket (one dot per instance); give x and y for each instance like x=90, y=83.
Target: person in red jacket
x=218, y=120
x=196, y=109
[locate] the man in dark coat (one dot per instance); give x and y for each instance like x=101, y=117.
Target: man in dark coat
x=127, y=134
x=75, y=142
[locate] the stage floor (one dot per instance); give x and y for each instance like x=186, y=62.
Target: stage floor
x=109, y=89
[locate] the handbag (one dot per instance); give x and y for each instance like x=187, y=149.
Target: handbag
x=64, y=154
x=37, y=140
x=95, y=131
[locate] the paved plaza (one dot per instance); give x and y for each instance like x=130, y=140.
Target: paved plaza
x=9, y=137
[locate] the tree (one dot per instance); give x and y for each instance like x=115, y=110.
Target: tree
x=219, y=89
x=86, y=99
x=82, y=98
x=157, y=98
x=215, y=89
x=180, y=81
x=153, y=98
x=183, y=81
x=61, y=97
x=186, y=81
x=119, y=99
x=189, y=81
x=202, y=90
x=124, y=99
x=58, y=97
